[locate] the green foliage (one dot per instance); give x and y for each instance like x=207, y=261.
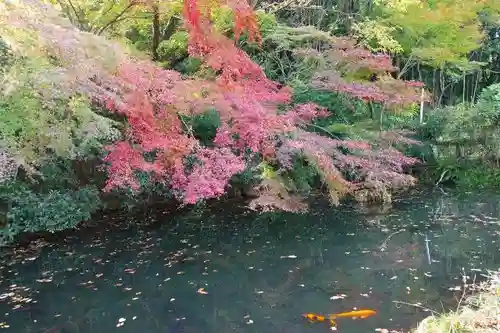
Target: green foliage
x=47, y=124
x=191, y=66
x=436, y=32
x=478, y=177
x=466, y=140
x=28, y=125
x=223, y=21
x=249, y=178
x=139, y=36
x=174, y=48
x=489, y=100
x=467, y=124
x=36, y=128
x=51, y=211
x=267, y=22
x=150, y=191
x=281, y=55
x=343, y=108
x=6, y=56
x=377, y=37
x=97, y=16
x=205, y=126
x=302, y=177
x=54, y=200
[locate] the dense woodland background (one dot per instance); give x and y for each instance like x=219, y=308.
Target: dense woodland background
x=274, y=101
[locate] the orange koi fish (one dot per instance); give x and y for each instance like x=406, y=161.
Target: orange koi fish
x=315, y=318
x=353, y=314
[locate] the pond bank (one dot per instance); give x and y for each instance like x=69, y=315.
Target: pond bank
x=150, y=212
x=478, y=313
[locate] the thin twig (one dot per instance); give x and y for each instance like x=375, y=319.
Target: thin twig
x=441, y=178
x=417, y=306
x=384, y=243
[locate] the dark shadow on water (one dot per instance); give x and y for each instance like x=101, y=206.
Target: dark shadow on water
x=259, y=272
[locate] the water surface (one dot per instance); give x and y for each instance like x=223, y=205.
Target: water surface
x=258, y=272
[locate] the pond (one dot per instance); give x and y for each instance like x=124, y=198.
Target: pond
x=222, y=270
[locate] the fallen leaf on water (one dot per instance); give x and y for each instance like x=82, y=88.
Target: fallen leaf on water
x=338, y=296
x=121, y=322
x=44, y=280
x=202, y=291
x=382, y=330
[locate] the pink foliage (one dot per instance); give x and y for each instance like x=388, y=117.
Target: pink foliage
x=306, y=113
x=124, y=161
x=364, y=75
x=210, y=178
x=389, y=92
x=248, y=105
x=367, y=161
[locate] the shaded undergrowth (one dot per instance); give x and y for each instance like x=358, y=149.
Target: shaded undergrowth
x=478, y=313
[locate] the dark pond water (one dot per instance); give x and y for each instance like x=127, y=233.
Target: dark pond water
x=259, y=272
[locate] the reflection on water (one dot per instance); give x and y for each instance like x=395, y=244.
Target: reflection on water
x=258, y=273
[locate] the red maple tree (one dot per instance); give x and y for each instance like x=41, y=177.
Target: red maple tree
x=246, y=101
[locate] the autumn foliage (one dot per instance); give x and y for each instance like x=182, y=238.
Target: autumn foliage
x=245, y=99
x=365, y=75
x=251, y=121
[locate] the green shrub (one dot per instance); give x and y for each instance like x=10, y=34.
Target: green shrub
x=465, y=141
x=37, y=124
x=55, y=210
x=150, y=191
x=189, y=66
x=174, y=48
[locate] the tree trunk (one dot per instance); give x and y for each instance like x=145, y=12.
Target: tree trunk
x=156, y=31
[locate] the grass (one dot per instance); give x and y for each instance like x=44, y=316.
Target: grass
x=478, y=313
